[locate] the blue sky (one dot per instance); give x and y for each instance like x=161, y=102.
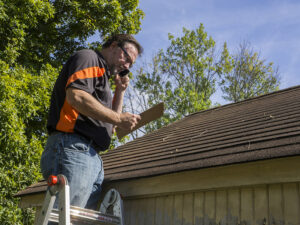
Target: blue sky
x=271, y=27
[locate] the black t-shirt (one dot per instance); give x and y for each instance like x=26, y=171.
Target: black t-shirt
x=87, y=71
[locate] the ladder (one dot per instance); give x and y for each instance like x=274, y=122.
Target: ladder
x=111, y=209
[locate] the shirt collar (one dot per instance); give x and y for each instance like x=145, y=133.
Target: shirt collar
x=105, y=64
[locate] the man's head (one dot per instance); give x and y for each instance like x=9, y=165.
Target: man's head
x=120, y=52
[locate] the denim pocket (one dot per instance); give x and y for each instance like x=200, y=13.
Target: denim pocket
x=74, y=142
x=80, y=147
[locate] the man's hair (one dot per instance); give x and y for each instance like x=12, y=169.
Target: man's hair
x=121, y=39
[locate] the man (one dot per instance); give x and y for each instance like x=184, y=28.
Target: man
x=83, y=113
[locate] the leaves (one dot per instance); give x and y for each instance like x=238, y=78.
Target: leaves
x=38, y=32
x=24, y=102
x=37, y=36
x=183, y=77
x=246, y=75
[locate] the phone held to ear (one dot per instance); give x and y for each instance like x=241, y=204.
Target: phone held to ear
x=124, y=73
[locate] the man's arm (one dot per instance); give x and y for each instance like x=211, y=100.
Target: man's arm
x=87, y=105
x=121, y=85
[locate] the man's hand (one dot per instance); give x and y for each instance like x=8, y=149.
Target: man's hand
x=128, y=121
x=121, y=82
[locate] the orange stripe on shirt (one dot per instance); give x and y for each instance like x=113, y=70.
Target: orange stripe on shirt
x=68, y=115
x=90, y=72
x=67, y=119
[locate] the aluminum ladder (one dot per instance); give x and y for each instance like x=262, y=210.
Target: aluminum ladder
x=111, y=209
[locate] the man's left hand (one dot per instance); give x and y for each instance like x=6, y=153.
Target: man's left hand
x=121, y=82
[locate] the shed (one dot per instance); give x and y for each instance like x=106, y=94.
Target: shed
x=234, y=164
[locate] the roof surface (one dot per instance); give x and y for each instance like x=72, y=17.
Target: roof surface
x=260, y=128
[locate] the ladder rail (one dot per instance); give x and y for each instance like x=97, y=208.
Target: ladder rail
x=111, y=210
x=64, y=205
x=44, y=214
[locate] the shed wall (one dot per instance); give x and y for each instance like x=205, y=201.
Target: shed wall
x=260, y=204
x=262, y=192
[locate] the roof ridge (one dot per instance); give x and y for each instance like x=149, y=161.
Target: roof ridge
x=293, y=88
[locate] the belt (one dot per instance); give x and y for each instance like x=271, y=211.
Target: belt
x=55, y=132
x=90, y=141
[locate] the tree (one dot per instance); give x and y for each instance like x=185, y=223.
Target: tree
x=183, y=77
x=248, y=76
x=37, y=32
x=24, y=100
x=37, y=36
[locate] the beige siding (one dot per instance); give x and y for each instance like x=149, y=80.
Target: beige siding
x=261, y=204
x=291, y=209
x=261, y=193
x=198, y=217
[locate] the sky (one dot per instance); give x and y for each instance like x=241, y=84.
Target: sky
x=272, y=27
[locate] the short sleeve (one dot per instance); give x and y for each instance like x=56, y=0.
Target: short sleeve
x=84, y=68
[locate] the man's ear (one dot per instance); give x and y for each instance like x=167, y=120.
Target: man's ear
x=113, y=44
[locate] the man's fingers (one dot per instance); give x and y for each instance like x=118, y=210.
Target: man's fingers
x=129, y=121
x=114, y=129
x=138, y=117
x=125, y=79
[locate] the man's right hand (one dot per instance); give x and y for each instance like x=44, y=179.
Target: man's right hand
x=87, y=105
x=128, y=120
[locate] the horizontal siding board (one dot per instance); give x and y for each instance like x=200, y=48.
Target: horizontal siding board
x=209, y=207
x=261, y=205
x=169, y=214
x=141, y=209
x=198, y=213
x=291, y=203
x=234, y=203
x=188, y=211
x=275, y=204
x=178, y=207
x=221, y=207
x=150, y=211
x=247, y=206
x=128, y=212
x=159, y=210
x=242, y=205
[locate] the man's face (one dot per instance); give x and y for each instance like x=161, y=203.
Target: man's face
x=122, y=57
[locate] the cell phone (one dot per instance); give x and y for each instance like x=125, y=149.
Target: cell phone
x=124, y=73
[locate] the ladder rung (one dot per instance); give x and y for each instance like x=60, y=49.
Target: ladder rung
x=86, y=217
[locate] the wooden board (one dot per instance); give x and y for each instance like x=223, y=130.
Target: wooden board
x=149, y=115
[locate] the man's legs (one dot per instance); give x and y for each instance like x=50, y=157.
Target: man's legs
x=93, y=201
x=72, y=156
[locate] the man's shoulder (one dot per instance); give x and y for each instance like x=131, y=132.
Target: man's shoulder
x=87, y=57
x=86, y=53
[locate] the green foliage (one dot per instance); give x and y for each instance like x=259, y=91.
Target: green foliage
x=35, y=32
x=183, y=77
x=24, y=102
x=247, y=75
x=37, y=36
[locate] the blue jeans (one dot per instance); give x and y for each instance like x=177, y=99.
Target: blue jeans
x=74, y=157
